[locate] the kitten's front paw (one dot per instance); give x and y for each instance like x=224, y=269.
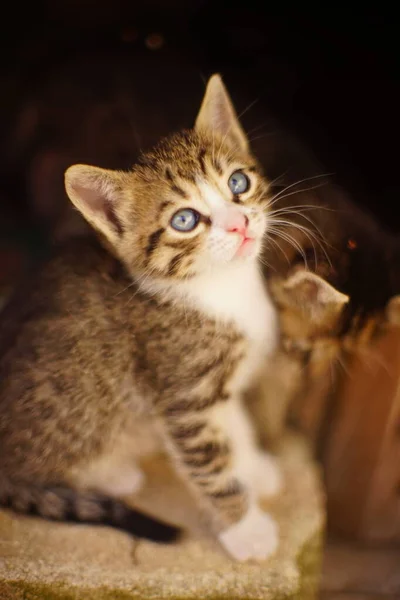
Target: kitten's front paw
x=253, y=537
x=268, y=476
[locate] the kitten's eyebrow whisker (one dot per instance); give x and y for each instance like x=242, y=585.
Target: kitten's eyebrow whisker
x=223, y=141
x=230, y=126
x=258, y=137
x=271, y=183
x=288, y=187
x=255, y=129
x=250, y=106
x=282, y=196
x=295, y=208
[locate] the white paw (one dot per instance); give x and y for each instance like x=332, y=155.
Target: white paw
x=268, y=475
x=255, y=537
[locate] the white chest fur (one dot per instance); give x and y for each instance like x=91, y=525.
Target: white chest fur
x=237, y=295
x=234, y=294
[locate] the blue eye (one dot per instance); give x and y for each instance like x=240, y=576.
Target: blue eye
x=186, y=219
x=238, y=183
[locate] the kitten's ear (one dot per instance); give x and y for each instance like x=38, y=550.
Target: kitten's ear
x=217, y=115
x=97, y=194
x=393, y=310
x=314, y=296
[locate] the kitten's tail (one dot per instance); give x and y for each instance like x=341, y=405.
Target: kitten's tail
x=66, y=504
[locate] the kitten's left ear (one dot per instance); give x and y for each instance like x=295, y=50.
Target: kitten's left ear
x=314, y=296
x=98, y=195
x=217, y=116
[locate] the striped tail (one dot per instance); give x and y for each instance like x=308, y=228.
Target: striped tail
x=66, y=504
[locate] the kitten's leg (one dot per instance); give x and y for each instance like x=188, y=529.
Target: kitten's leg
x=255, y=466
x=207, y=453
x=267, y=475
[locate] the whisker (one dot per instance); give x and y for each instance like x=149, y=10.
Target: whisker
x=272, y=183
x=255, y=129
x=259, y=137
x=125, y=288
x=281, y=196
x=276, y=244
x=292, y=185
x=296, y=212
x=290, y=240
x=240, y=115
x=295, y=208
x=311, y=235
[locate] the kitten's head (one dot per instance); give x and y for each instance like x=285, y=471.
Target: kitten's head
x=310, y=311
x=196, y=201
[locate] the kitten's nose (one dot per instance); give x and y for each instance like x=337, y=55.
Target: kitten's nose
x=236, y=222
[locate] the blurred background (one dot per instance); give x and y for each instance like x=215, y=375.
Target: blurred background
x=316, y=88
x=96, y=81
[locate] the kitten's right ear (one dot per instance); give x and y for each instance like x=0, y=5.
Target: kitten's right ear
x=217, y=116
x=97, y=194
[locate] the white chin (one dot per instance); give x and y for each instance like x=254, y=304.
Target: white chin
x=248, y=250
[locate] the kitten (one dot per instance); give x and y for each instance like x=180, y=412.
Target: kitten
x=310, y=314
x=315, y=224
x=162, y=333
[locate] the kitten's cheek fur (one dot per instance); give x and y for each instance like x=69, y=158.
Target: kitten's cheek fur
x=254, y=537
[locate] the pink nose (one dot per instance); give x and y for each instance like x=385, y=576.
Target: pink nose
x=236, y=222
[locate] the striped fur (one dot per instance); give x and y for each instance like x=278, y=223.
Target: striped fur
x=162, y=336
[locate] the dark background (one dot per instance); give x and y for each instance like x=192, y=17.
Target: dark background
x=331, y=75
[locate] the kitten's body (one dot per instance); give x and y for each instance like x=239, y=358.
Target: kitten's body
x=82, y=329
x=311, y=315
x=165, y=333
x=319, y=227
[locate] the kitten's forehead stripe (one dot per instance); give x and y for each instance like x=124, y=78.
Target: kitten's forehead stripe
x=202, y=163
x=216, y=163
x=190, y=174
x=179, y=191
x=163, y=206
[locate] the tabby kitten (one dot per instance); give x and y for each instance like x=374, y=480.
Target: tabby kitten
x=164, y=333
x=310, y=315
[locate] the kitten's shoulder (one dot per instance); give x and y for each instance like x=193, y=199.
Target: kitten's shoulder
x=76, y=277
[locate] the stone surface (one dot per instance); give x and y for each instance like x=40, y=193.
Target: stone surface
x=42, y=560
